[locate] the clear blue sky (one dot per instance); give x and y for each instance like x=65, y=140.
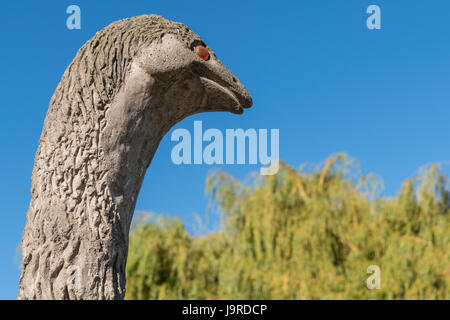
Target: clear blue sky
x=313, y=68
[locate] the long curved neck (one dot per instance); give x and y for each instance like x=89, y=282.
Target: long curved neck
x=88, y=171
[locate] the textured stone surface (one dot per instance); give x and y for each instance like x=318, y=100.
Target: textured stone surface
x=125, y=89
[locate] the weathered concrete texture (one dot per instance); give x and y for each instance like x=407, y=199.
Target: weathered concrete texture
x=124, y=90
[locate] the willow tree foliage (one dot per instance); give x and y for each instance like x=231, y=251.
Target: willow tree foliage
x=302, y=234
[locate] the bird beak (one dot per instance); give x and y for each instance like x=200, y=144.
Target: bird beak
x=224, y=91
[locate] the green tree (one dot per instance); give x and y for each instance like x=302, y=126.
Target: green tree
x=308, y=234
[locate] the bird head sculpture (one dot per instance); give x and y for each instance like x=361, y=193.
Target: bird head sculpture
x=122, y=93
x=192, y=75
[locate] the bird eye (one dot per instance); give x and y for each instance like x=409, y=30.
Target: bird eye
x=202, y=52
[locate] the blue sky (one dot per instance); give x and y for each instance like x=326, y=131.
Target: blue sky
x=313, y=68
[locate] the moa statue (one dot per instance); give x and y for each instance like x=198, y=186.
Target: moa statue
x=124, y=90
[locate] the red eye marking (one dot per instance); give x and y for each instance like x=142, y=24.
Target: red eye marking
x=202, y=52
